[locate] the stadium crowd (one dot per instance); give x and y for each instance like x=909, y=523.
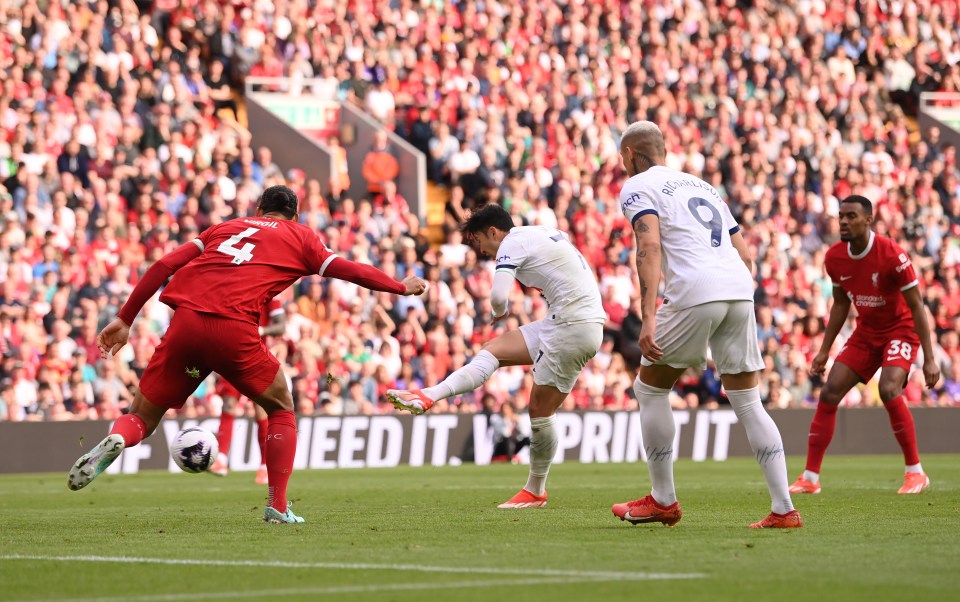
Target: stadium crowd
x=119, y=141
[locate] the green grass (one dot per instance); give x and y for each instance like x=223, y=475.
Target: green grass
x=369, y=529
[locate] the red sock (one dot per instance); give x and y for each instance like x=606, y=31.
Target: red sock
x=225, y=432
x=821, y=434
x=281, y=448
x=131, y=428
x=262, y=427
x=902, y=422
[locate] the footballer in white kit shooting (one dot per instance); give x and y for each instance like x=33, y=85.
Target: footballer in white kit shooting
x=558, y=346
x=685, y=231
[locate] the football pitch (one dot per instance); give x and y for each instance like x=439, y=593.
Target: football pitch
x=435, y=533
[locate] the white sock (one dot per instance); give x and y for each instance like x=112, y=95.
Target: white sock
x=813, y=477
x=543, y=447
x=659, y=431
x=766, y=444
x=466, y=379
x=915, y=468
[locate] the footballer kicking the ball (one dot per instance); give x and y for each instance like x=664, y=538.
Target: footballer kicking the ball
x=221, y=281
x=558, y=347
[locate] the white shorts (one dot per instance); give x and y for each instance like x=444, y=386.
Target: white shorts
x=560, y=351
x=729, y=328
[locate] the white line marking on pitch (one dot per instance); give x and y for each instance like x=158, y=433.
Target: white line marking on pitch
x=600, y=575
x=334, y=590
x=547, y=577
x=343, y=589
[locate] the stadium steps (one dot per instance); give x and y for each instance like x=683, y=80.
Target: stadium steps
x=914, y=129
x=226, y=115
x=436, y=203
x=436, y=195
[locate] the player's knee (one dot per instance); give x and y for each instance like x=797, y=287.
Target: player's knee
x=831, y=395
x=889, y=391
x=273, y=404
x=286, y=402
x=492, y=347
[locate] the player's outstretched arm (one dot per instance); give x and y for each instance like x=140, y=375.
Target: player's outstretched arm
x=647, y=231
x=838, y=317
x=931, y=369
x=115, y=335
x=370, y=277
x=154, y=278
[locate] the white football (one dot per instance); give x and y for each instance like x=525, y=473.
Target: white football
x=194, y=449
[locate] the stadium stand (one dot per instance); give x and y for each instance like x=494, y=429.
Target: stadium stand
x=121, y=136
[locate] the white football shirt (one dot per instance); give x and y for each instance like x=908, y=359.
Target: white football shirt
x=544, y=258
x=699, y=262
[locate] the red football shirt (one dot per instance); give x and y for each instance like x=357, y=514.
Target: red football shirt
x=244, y=263
x=874, y=281
x=271, y=309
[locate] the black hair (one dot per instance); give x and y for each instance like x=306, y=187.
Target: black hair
x=279, y=199
x=489, y=215
x=860, y=200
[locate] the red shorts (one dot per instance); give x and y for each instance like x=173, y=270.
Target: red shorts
x=866, y=353
x=197, y=344
x=225, y=389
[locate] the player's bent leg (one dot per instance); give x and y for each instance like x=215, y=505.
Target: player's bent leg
x=841, y=379
x=128, y=430
x=509, y=349
x=558, y=353
x=892, y=379
x=276, y=396
x=544, y=401
x=281, y=447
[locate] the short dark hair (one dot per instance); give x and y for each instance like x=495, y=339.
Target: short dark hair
x=489, y=215
x=279, y=199
x=860, y=200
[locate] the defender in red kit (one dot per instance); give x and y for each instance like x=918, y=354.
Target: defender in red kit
x=873, y=274
x=221, y=281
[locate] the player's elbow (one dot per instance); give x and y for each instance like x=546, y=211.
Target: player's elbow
x=648, y=249
x=498, y=301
